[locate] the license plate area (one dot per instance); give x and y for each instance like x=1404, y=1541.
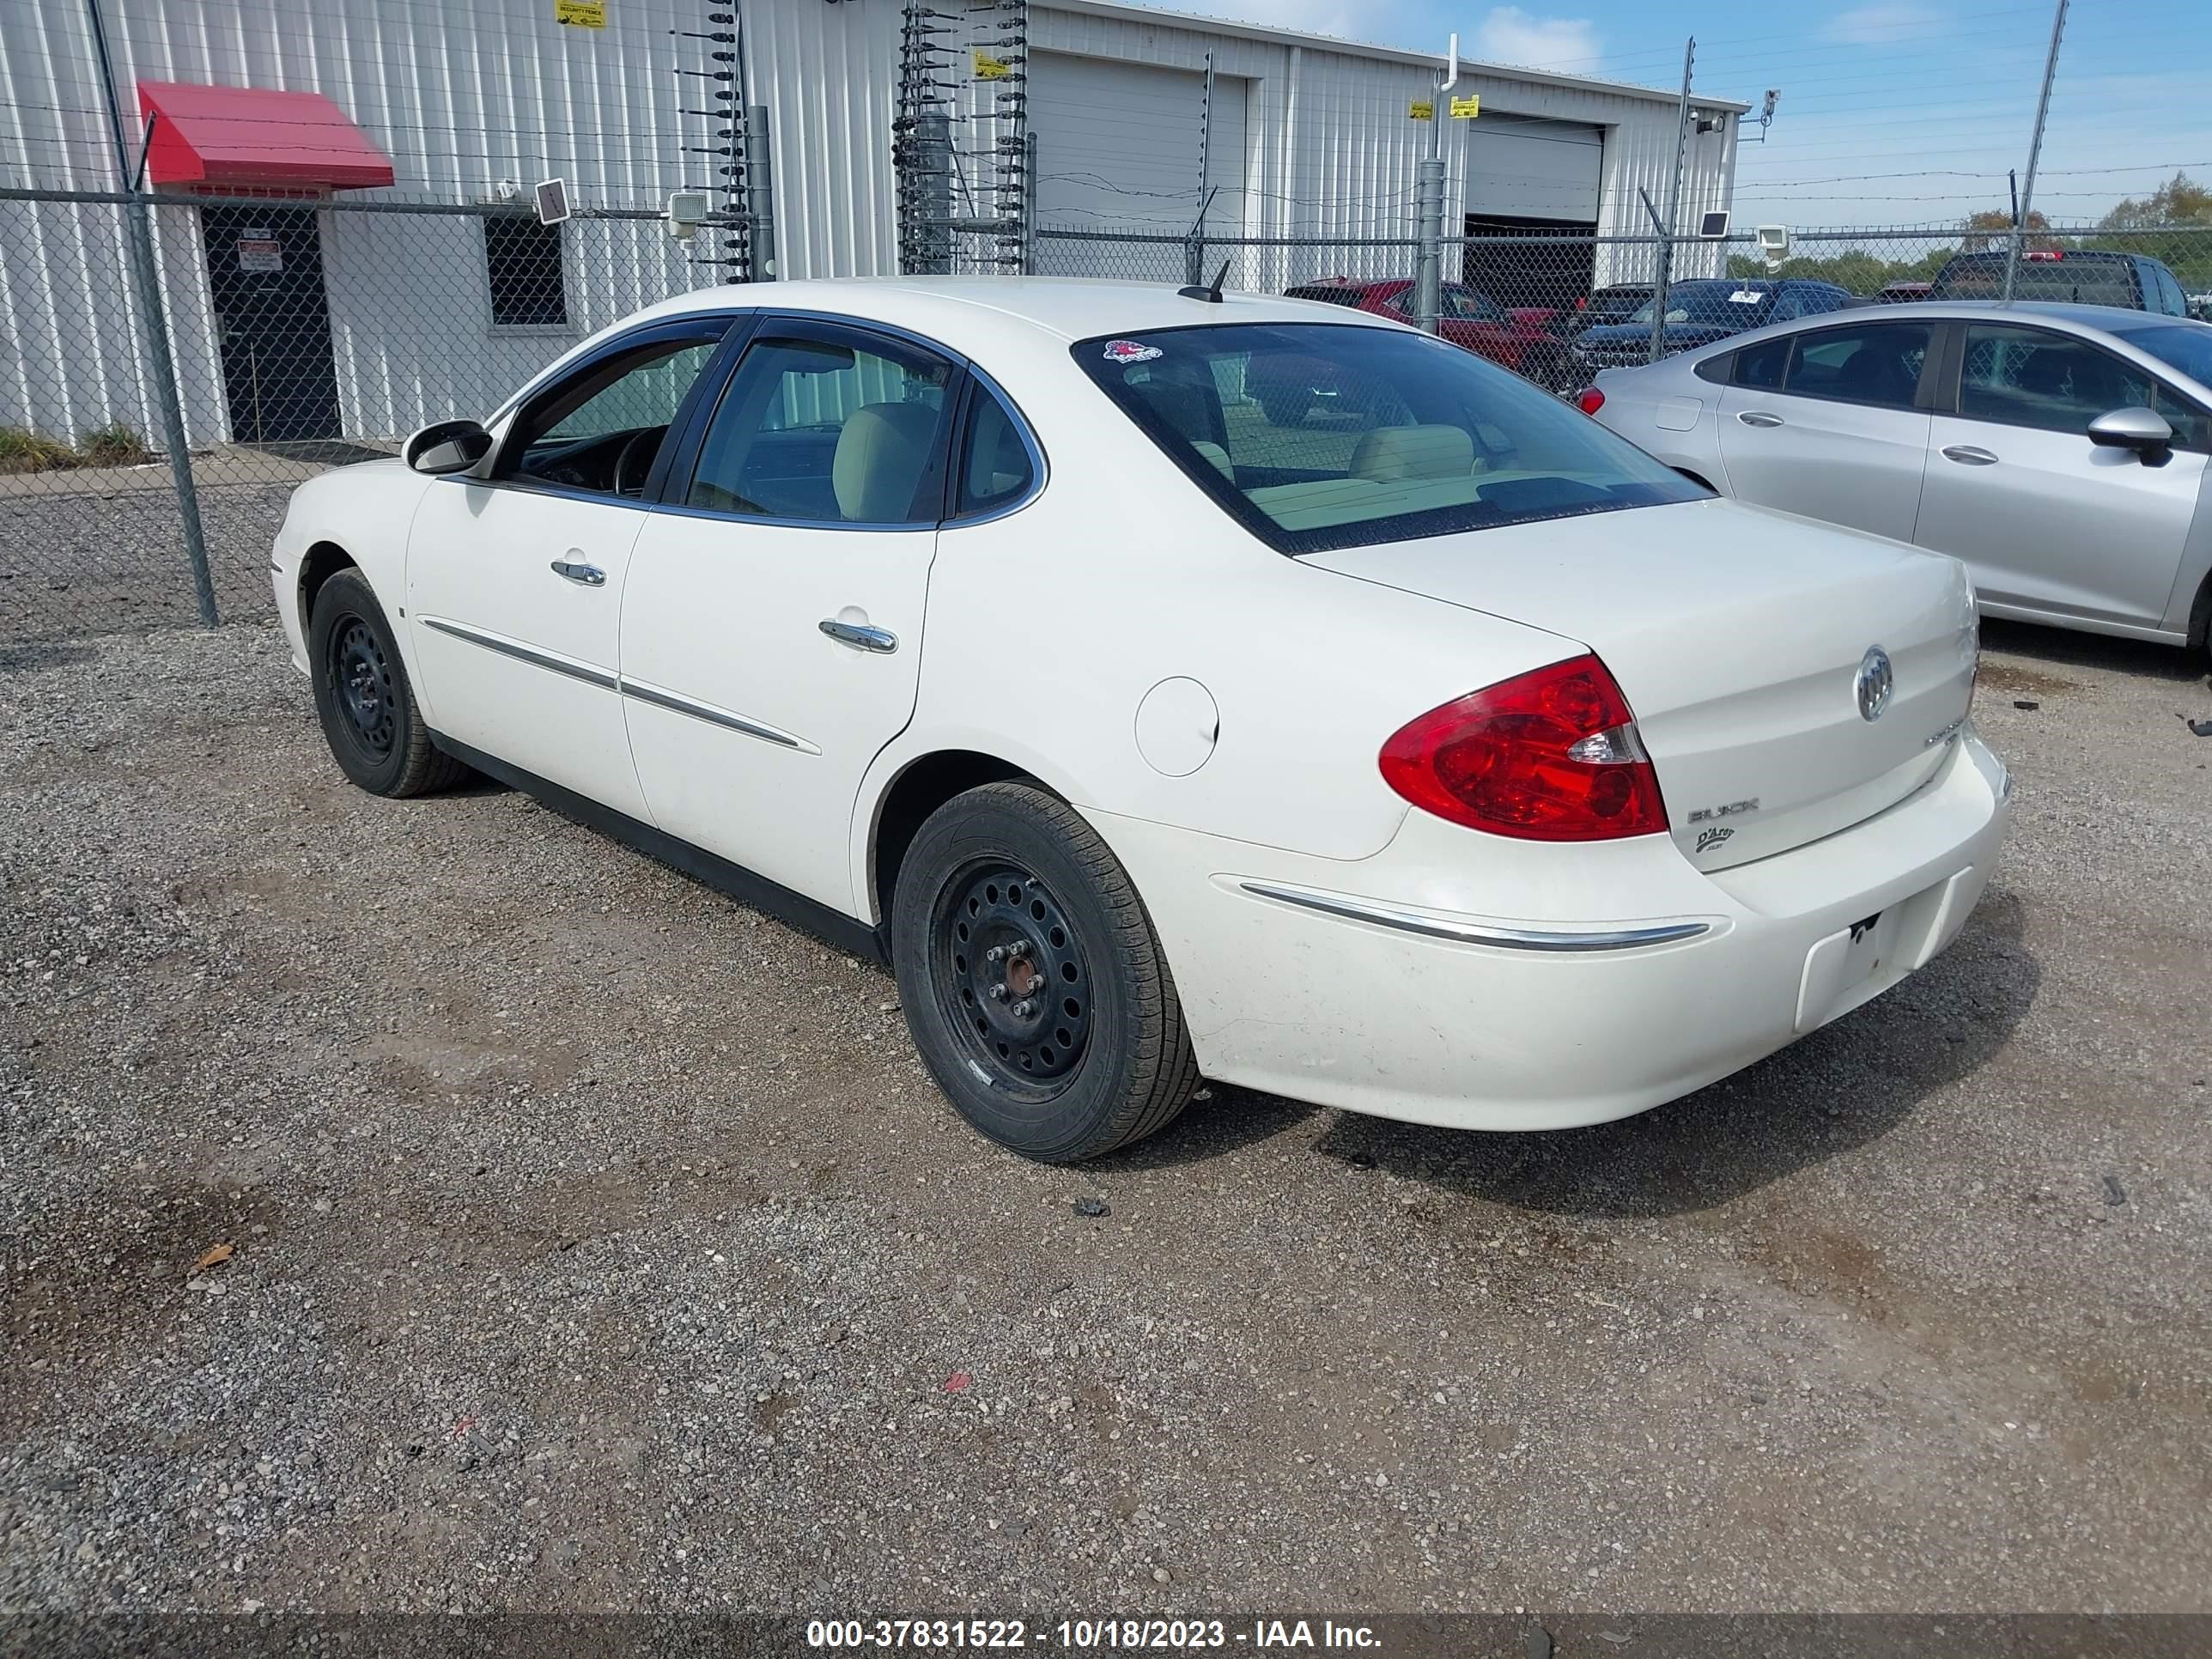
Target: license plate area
x=1866, y=959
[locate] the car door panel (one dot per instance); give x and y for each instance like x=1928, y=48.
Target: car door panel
x=514, y=582
x=1847, y=453
x=2047, y=520
x=752, y=726
x=519, y=660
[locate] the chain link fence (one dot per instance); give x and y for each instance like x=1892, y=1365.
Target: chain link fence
x=153, y=426
x=277, y=337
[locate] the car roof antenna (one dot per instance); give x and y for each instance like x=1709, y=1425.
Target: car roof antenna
x=1210, y=295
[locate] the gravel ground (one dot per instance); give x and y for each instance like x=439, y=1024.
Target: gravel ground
x=598, y=1243
x=74, y=562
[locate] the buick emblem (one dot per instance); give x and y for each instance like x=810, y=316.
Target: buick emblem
x=1873, y=685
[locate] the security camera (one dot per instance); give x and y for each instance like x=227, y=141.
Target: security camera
x=1773, y=243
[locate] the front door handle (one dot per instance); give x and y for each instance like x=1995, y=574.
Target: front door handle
x=1759, y=417
x=1969, y=455
x=859, y=633
x=585, y=575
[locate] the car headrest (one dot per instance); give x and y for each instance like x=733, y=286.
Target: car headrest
x=881, y=454
x=1217, y=457
x=1392, y=454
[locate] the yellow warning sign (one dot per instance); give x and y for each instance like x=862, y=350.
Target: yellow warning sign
x=1422, y=109
x=1466, y=109
x=989, y=68
x=581, y=14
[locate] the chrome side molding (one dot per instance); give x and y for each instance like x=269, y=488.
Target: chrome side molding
x=1468, y=932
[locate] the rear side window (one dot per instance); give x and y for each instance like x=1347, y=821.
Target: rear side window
x=996, y=469
x=1761, y=365
x=1875, y=363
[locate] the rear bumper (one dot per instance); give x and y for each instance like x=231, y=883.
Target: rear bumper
x=1411, y=985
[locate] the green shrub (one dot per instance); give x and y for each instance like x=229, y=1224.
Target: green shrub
x=22, y=450
x=112, y=445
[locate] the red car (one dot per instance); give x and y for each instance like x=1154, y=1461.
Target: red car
x=1519, y=339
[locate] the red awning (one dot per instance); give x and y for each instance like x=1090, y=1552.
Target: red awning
x=248, y=136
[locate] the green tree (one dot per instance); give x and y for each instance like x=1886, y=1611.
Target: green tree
x=2149, y=226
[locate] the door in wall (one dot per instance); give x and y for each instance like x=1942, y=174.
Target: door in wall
x=265, y=275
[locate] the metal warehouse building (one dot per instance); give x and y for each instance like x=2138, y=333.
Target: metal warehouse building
x=436, y=120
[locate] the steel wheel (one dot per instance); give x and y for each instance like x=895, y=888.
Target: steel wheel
x=1011, y=978
x=361, y=675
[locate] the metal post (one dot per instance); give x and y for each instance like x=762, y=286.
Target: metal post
x=1194, y=255
x=2034, y=150
x=933, y=141
x=1429, y=207
x=1029, y=203
x=154, y=326
x=760, y=194
x=1673, y=207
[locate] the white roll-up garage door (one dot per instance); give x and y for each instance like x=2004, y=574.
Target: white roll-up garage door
x=1118, y=144
x=1520, y=169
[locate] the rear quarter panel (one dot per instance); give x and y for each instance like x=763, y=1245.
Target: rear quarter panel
x=1046, y=629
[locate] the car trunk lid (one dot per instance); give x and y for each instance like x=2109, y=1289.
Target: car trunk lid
x=1741, y=637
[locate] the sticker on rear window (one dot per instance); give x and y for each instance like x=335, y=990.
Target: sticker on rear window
x=1746, y=296
x=1130, y=351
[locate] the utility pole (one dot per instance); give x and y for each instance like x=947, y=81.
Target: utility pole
x=1673, y=208
x=2026, y=203
x=154, y=328
x=1428, y=206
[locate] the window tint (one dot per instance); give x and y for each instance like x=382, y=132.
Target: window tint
x=600, y=428
x=2025, y=377
x=1318, y=435
x=522, y=267
x=2173, y=302
x=1761, y=365
x=995, y=468
x=1715, y=369
x=818, y=429
x=1872, y=363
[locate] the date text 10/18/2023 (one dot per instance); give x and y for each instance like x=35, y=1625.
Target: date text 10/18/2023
x=1122, y=1635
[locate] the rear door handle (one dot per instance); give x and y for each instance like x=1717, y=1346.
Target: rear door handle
x=585, y=575
x=1759, y=417
x=867, y=639
x=1969, y=455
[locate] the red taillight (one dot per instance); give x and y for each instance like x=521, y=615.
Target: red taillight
x=1548, y=755
x=2043, y=253
x=1589, y=400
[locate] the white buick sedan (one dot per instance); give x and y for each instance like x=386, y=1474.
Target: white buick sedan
x=1431, y=752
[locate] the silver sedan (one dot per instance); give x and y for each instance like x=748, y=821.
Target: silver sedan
x=2060, y=450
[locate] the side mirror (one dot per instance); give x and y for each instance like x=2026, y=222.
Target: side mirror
x=2143, y=430
x=449, y=446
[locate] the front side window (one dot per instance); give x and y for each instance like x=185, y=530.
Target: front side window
x=2026, y=377
x=1873, y=363
x=828, y=426
x=1317, y=436
x=601, y=429
x=523, y=269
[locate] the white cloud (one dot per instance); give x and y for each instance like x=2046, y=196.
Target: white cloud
x=1510, y=35
x=1880, y=26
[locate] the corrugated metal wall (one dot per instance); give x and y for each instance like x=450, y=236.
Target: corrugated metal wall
x=463, y=97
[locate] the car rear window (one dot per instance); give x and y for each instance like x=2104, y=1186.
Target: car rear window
x=2068, y=280
x=1318, y=435
x=1330, y=294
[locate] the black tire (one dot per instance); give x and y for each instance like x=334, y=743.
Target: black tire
x=367, y=709
x=1101, y=1060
